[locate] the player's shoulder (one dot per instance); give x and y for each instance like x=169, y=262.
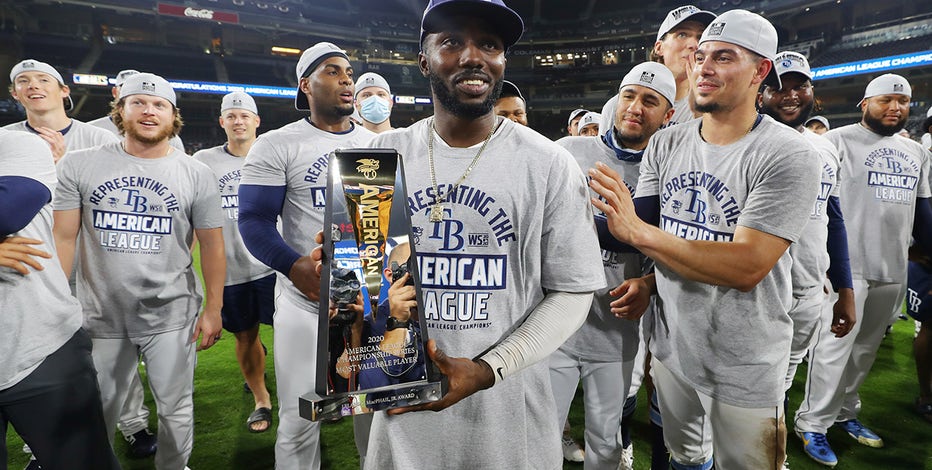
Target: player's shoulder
x=22, y=146
x=209, y=154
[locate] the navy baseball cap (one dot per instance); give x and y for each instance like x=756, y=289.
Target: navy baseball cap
x=502, y=19
x=510, y=89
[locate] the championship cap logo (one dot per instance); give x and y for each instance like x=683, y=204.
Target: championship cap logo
x=646, y=77
x=29, y=65
x=237, y=102
x=681, y=11
x=148, y=86
x=898, y=87
x=787, y=62
x=715, y=29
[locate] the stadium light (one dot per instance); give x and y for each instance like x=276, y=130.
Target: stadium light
x=285, y=50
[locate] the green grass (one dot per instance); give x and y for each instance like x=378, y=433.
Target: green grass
x=221, y=440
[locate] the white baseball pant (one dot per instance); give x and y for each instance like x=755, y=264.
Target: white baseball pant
x=605, y=386
x=838, y=366
x=694, y=424
x=170, y=360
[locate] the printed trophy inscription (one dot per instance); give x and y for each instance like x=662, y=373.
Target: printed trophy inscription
x=371, y=351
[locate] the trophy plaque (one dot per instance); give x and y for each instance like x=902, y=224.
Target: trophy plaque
x=371, y=352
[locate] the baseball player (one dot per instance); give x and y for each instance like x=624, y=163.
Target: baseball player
x=730, y=193
x=885, y=178
x=285, y=175
x=818, y=125
x=919, y=306
x=823, y=245
x=137, y=205
x=677, y=39
x=248, y=291
x=572, y=123
x=374, y=102
x=602, y=351
x=512, y=301
x=511, y=104
x=106, y=122
x=589, y=125
x=43, y=93
x=48, y=385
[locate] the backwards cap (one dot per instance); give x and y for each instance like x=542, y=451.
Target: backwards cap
x=310, y=59
x=503, y=20
x=239, y=100
x=748, y=30
x=653, y=75
x=148, y=84
x=32, y=65
x=370, y=79
x=887, y=84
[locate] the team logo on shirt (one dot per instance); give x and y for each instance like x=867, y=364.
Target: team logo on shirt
x=892, y=175
x=140, y=214
x=313, y=175
x=698, y=206
x=228, y=198
x=825, y=191
x=460, y=280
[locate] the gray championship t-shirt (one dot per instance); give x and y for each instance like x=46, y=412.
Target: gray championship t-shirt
x=37, y=312
x=296, y=155
x=733, y=346
x=138, y=215
x=604, y=337
x=810, y=252
x=107, y=124
x=80, y=135
x=521, y=223
x=242, y=267
x=883, y=176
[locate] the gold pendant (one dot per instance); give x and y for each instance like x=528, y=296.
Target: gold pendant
x=436, y=213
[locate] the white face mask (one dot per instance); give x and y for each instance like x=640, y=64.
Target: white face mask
x=375, y=109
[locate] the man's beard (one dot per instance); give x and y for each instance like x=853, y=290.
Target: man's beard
x=164, y=134
x=458, y=108
x=801, y=118
x=703, y=108
x=879, y=127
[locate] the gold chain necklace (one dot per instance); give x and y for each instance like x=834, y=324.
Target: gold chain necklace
x=436, y=210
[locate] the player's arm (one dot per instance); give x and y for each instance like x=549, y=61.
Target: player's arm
x=21, y=199
x=922, y=222
x=546, y=327
x=740, y=264
x=839, y=270
x=214, y=268
x=65, y=230
x=259, y=209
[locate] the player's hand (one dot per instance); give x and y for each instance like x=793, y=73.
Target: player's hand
x=843, y=314
x=634, y=297
x=401, y=298
x=623, y=221
x=465, y=376
x=16, y=253
x=305, y=272
x=55, y=140
x=208, y=326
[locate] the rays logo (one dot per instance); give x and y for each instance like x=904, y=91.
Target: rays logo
x=787, y=63
x=897, y=87
x=237, y=103
x=29, y=65
x=370, y=81
x=148, y=86
x=715, y=29
x=646, y=77
x=368, y=167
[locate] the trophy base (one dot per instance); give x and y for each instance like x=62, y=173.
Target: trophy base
x=315, y=408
